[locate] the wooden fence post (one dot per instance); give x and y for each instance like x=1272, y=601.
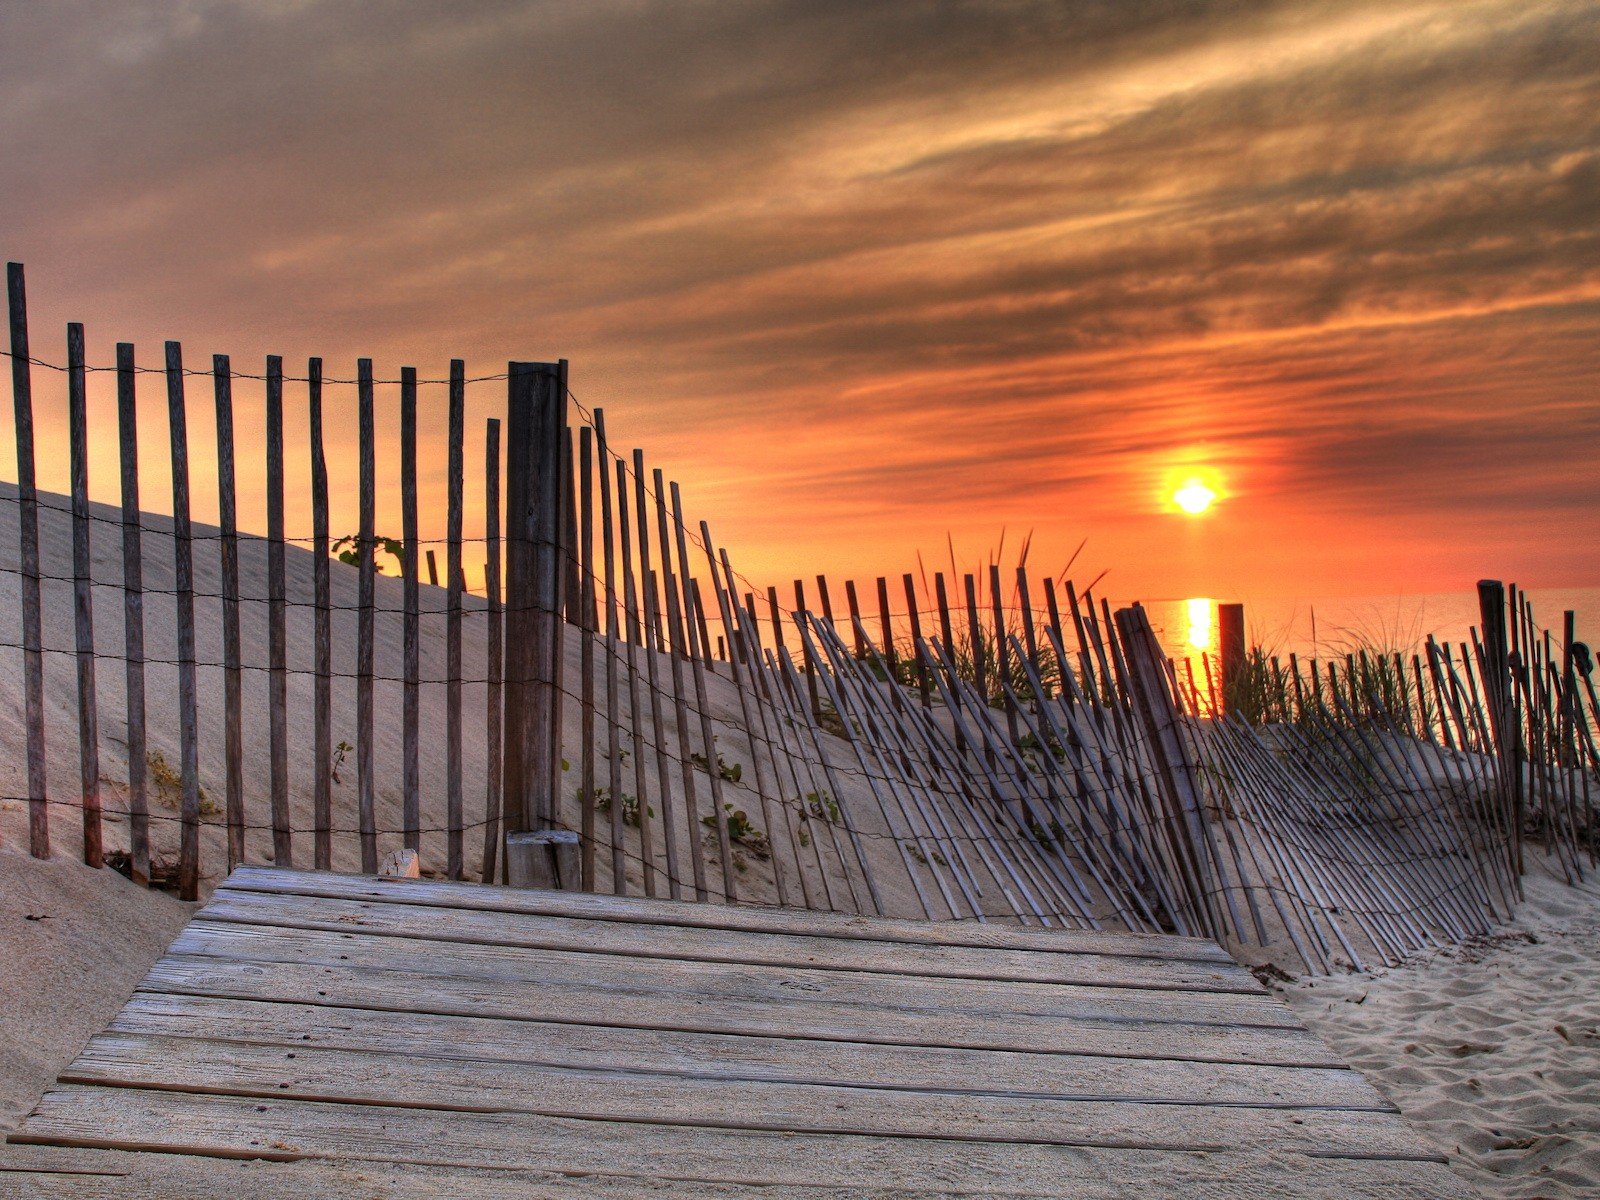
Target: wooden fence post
x=28, y=533
x=1177, y=773
x=277, y=622
x=183, y=588
x=83, y=598
x=536, y=438
x=1500, y=698
x=1230, y=649
x=133, y=615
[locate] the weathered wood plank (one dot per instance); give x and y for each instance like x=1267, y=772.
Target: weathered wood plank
x=83, y=599
x=28, y=537
x=183, y=599
x=342, y=938
x=305, y=971
x=705, y=1055
x=133, y=614
x=286, y=1129
x=232, y=657
x=277, y=622
x=754, y=919
x=383, y=1079
x=536, y=931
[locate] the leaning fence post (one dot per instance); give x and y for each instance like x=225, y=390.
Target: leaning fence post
x=536, y=438
x=28, y=533
x=133, y=615
x=1177, y=773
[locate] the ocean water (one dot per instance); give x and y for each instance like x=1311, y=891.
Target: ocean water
x=1324, y=628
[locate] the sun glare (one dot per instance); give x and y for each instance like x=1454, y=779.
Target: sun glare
x=1194, y=497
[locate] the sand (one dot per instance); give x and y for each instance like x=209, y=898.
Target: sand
x=1492, y=1049
x=74, y=942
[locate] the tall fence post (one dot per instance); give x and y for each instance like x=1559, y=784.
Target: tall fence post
x=1230, y=649
x=535, y=520
x=28, y=534
x=1500, y=697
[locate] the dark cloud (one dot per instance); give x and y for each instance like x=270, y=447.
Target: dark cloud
x=871, y=258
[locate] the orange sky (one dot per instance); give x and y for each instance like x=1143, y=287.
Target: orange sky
x=863, y=277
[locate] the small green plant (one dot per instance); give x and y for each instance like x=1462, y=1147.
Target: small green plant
x=348, y=550
x=630, y=805
x=742, y=831
x=823, y=805
x=169, y=785
x=732, y=772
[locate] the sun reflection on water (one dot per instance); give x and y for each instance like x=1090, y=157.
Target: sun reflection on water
x=1202, y=630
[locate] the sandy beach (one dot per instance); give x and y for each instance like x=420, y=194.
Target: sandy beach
x=1491, y=1049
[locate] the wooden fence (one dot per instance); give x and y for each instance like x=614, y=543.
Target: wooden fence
x=614, y=707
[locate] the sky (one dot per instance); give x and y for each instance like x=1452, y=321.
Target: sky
x=877, y=279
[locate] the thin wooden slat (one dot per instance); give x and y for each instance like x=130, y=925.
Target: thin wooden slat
x=639, y=633
x=655, y=634
x=83, y=600
x=277, y=622
x=613, y=632
x=692, y=615
x=703, y=1055
x=711, y=1154
x=183, y=588
x=411, y=619
x=493, y=693
x=363, y=1077
x=228, y=565
x=366, y=566
x=885, y=621
x=455, y=809
x=855, y=617
x=28, y=536
x=586, y=656
x=880, y=956
x=914, y=618
x=744, y=918
x=660, y=999
x=322, y=631
x=133, y=614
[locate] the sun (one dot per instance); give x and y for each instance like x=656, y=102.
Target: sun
x=1194, y=497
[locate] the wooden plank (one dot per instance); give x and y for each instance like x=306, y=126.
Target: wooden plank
x=366, y=566
x=277, y=622
x=133, y=615
x=83, y=599
x=28, y=536
x=411, y=619
x=322, y=635
x=494, y=795
x=638, y=632
x=228, y=565
x=718, y=1055
x=395, y=974
x=248, y=1127
x=588, y=799
x=183, y=595
x=692, y=616
x=455, y=809
x=315, y=1074
x=613, y=632
x=717, y=945
x=768, y=920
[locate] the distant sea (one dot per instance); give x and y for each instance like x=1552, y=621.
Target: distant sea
x=1330, y=627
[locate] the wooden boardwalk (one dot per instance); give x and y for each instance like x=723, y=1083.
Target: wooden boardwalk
x=319, y=1034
